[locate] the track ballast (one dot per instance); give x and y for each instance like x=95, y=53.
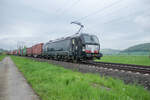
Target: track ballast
x=126, y=67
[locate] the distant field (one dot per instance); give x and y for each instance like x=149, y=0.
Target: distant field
x=137, y=60
x=2, y=57
x=53, y=82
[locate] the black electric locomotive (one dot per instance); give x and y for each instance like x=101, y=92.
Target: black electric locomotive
x=79, y=47
x=76, y=48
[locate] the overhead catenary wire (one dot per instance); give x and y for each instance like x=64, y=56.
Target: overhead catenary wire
x=116, y=19
x=124, y=17
x=112, y=13
x=100, y=10
x=68, y=8
x=60, y=8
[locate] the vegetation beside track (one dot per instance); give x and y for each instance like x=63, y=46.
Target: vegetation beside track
x=53, y=82
x=125, y=59
x=2, y=56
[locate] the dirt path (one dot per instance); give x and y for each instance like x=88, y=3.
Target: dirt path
x=13, y=85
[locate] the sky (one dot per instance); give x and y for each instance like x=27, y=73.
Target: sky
x=118, y=24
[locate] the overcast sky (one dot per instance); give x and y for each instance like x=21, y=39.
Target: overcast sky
x=117, y=23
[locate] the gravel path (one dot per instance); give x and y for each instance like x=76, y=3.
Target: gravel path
x=13, y=85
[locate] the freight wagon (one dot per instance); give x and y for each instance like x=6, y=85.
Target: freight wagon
x=29, y=51
x=37, y=50
x=24, y=51
x=15, y=52
x=19, y=52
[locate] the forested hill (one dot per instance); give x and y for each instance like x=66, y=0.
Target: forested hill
x=145, y=47
x=110, y=51
x=2, y=50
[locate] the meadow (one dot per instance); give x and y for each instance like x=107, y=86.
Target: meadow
x=2, y=56
x=125, y=59
x=53, y=82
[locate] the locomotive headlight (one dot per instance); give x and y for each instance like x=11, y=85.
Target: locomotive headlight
x=88, y=47
x=96, y=47
x=83, y=49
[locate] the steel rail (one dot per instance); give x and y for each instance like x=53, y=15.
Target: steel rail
x=127, y=67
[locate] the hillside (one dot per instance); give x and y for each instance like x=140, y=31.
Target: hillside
x=145, y=47
x=141, y=49
x=2, y=50
x=110, y=51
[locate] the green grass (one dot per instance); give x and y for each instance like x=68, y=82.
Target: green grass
x=137, y=60
x=2, y=56
x=53, y=82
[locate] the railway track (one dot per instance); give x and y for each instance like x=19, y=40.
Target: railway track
x=125, y=67
x=131, y=77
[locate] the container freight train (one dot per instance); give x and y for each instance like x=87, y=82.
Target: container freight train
x=78, y=47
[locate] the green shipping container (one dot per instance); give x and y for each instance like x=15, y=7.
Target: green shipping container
x=17, y=52
x=24, y=51
x=20, y=52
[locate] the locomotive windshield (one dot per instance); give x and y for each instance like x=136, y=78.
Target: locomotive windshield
x=91, y=39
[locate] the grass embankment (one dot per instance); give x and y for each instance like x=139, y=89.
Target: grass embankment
x=52, y=82
x=2, y=56
x=137, y=60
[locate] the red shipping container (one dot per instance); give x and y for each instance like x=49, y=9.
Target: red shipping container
x=29, y=51
x=11, y=52
x=37, y=49
x=15, y=52
x=19, y=51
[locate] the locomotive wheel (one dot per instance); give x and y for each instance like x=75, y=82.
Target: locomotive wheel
x=74, y=61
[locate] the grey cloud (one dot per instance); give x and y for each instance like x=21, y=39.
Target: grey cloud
x=37, y=21
x=143, y=22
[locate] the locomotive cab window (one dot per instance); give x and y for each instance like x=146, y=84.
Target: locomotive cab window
x=95, y=39
x=91, y=39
